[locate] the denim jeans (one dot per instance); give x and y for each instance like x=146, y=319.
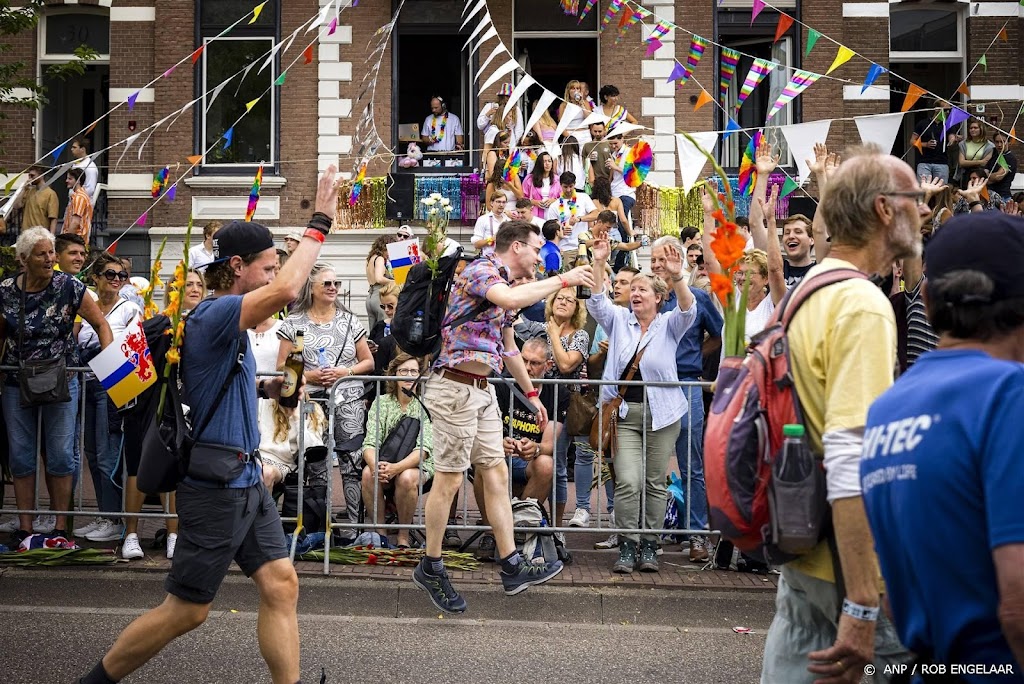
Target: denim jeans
x=692, y=429
x=561, y=465
x=58, y=433
x=103, y=440
x=627, y=206
x=933, y=171
x=584, y=475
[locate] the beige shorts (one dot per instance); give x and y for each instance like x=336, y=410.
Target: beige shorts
x=467, y=425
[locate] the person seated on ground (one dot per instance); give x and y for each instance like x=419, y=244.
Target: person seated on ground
x=531, y=450
x=398, y=474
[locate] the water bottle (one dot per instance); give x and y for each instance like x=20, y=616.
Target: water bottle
x=321, y=357
x=387, y=329
x=416, y=328
x=797, y=495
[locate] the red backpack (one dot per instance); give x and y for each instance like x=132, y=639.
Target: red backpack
x=755, y=396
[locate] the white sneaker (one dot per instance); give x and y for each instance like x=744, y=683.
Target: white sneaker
x=131, y=548
x=172, y=541
x=44, y=524
x=108, y=530
x=581, y=518
x=10, y=525
x=611, y=542
x=87, y=529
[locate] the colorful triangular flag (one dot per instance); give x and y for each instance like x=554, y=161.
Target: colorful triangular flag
x=812, y=38
x=914, y=93
x=307, y=55
x=333, y=26
x=1001, y=161
x=917, y=143
x=171, y=193
x=91, y=127
x=799, y=82
x=229, y=136
x=1002, y=35
x=874, y=72
x=758, y=70
x=842, y=57
x=755, y=10
x=678, y=72
x=280, y=79
x=965, y=90
x=256, y=12
x=250, y=104
x=697, y=47
x=730, y=128
x=58, y=150
x=728, y=58
x=10, y=183
x=194, y=159
x=788, y=186
x=956, y=116
x=702, y=99
x=983, y=61
x=613, y=8
x=652, y=46
x=785, y=22
x=167, y=74
x=197, y=53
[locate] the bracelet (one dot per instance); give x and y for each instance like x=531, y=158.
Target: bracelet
x=679, y=279
x=975, y=203
x=533, y=393
x=261, y=390
x=859, y=612
x=565, y=283
x=315, y=234
x=321, y=222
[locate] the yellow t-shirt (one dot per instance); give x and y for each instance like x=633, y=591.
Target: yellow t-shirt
x=842, y=347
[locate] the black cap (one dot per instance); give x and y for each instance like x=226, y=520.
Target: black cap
x=239, y=238
x=989, y=242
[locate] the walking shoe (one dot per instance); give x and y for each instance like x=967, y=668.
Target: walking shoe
x=131, y=548
x=88, y=529
x=172, y=541
x=10, y=525
x=440, y=590
x=698, y=551
x=648, y=561
x=627, y=557
x=527, y=575
x=108, y=530
x=452, y=540
x=487, y=547
x=611, y=542
x=581, y=518
x=44, y=524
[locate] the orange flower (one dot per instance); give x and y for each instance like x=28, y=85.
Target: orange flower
x=722, y=286
x=728, y=248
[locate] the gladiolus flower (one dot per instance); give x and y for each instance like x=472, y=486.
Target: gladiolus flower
x=722, y=286
x=173, y=356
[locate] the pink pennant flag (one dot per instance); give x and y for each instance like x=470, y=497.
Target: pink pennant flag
x=652, y=47
x=333, y=27
x=755, y=10
x=141, y=221
x=798, y=83
x=167, y=74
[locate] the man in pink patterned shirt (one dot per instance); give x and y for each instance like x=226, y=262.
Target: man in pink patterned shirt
x=467, y=423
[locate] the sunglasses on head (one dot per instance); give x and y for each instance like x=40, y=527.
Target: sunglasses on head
x=111, y=275
x=331, y=283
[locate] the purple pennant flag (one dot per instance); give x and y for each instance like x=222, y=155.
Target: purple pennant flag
x=956, y=117
x=730, y=128
x=755, y=10
x=171, y=193
x=131, y=100
x=652, y=46
x=678, y=72
x=874, y=72
x=141, y=221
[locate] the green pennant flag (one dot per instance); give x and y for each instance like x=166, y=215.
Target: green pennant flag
x=11, y=182
x=1002, y=162
x=788, y=187
x=813, y=36
x=984, y=60
x=942, y=116
x=280, y=79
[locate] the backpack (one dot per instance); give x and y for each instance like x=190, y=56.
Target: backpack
x=755, y=397
x=424, y=300
x=541, y=546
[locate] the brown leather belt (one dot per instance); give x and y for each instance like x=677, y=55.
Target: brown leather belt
x=464, y=378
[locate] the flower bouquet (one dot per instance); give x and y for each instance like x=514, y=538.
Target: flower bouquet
x=439, y=211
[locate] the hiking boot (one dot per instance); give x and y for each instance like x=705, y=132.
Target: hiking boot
x=527, y=575
x=439, y=588
x=581, y=518
x=452, y=540
x=648, y=561
x=611, y=542
x=485, y=552
x=698, y=551
x=627, y=557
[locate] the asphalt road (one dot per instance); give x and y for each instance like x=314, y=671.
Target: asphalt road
x=57, y=624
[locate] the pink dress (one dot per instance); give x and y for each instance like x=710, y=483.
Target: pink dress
x=533, y=192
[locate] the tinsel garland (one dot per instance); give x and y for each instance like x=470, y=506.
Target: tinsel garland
x=370, y=210
x=472, y=189
x=743, y=203
x=448, y=185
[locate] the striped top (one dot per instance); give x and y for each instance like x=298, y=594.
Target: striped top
x=920, y=336
x=79, y=205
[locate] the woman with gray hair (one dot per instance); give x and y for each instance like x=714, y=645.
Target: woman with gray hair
x=334, y=348
x=37, y=318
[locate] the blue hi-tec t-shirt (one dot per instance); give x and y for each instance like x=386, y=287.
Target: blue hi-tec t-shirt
x=942, y=464
x=211, y=346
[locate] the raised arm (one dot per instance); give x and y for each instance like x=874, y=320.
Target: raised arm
x=823, y=166
x=710, y=260
x=765, y=163
x=776, y=274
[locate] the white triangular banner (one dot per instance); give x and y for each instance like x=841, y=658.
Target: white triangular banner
x=494, y=53
x=214, y=94
x=479, y=6
x=320, y=18
x=880, y=129
x=244, y=74
x=691, y=157
x=568, y=114
x=491, y=33
x=623, y=128
x=506, y=68
x=543, y=103
x=270, y=57
x=127, y=143
x=517, y=93
x=596, y=116
x=484, y=23
x=801, y=138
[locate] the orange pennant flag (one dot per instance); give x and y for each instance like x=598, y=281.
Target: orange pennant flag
x=785, y=21
x=194, y=159
x=1013, y=132
x=702, y=99
x=965, y=90
x=199, y=51
x=91, y=126
x=984, y=193
x=918, y=145
x=914, y=93
x=307, y=55
x=1002, y=34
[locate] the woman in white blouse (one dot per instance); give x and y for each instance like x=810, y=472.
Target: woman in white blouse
x=491, y=123
x=574, y=95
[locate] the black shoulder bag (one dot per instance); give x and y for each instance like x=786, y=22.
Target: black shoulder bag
x=42, y=381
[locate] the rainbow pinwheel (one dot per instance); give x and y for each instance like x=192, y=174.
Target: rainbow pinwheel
x=637, y=164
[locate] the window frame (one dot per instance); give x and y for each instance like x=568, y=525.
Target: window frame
x=44, y=57
x=931, y=55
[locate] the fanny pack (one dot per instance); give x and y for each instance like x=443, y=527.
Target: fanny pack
x=218, y=463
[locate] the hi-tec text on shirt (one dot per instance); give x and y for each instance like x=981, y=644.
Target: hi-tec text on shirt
x=897, y=437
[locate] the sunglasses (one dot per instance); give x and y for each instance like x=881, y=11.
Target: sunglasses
x=113, y=275
x=331, y=283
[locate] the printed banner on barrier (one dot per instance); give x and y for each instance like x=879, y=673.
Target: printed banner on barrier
x=125, y=368
x=402, y=256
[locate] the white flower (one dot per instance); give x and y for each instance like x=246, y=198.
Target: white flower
x=448, y=208
x=436, y=195
x=445, y=202
x=433, y=210
x=429, y=201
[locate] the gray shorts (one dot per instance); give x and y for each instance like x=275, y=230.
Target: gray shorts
x=217, y=526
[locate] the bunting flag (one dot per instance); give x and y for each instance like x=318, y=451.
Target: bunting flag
x=171, y=193
x=11, y=182
x=729, y=59
x=697, y=47
x=586, y=10
x=624, y=24
x=956, y=116
x=250, y=104
x=256, y=12
x=568, y=114
x=748, y=169
x=167, y=74
x=785, y=22
x=965, y=90
x=874, y=72
x=229, y=136
x=691, y=156
x=131, y=100
x=141, y=221
x=881, y=129
x=280, y=79
x=307, y=55
x=842, y=57
x=812, y=38
x=755, y=10
x=652, y=47
x=660, y=30
x=254, y=193
x=357, y=186
x=333, y=26
x=788, y=186
x=758, y=70
x=92, y=126
x=914, y=93
x=58, y=150
x=983, y=61
x=613, y=8
x=678, y=72
x=1002, y=35
x=798, y=83
x=195, y=159
x=917, y=143
x=1002, y=163
x=570, y=7
x=160, y=181
x=320, y=18
x=197, y=53
x=702, y=99
x=214, y=94
x=517, y=92
x=801, y=139
x=730, y=128
x=543, y=104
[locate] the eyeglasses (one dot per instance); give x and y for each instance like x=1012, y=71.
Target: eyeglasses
x=535, y=248
x=407, y=372
x=112, y=275
x=565, y=300
x=328, y=284
x=917, y=195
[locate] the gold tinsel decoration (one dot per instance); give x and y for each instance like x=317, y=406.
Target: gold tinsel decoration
x=370, y=210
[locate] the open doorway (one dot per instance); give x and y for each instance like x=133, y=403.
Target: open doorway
x=554, y=61
x=430, y=66
x=934, y=77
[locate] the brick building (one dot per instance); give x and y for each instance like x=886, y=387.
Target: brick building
x=308, y=121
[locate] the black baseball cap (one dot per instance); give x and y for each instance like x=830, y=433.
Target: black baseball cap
x=239, y=238
x=989, y=242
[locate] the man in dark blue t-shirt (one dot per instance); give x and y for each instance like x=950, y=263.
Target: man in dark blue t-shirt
x=941, y=461
x=237, y=521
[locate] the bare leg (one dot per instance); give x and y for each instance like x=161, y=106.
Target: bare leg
x=406, y=495
x=538, y=478
x=24, y=495
x=148, y=634
x=172, y=507
x=445, y=486
x=478, y=494
x=133, y=500
x=278, y=623
x=60, y=497
x=499, y=506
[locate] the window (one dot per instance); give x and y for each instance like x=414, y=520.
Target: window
x=254, y=138
x=929, y=32
x=65, y=31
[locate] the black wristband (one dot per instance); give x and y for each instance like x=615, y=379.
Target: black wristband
x=261, y=390
x=321, y=222
x=975, y=203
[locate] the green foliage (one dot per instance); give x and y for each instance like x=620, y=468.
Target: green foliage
x=8, y=264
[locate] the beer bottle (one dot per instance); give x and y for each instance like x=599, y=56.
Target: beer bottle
x=582, y=291
x=293, y=367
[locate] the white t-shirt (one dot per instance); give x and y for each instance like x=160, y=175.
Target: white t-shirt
x=123, y=313
x=92, y=175
x=199, y=257
x=452, y=128
x=487, y=227
x=265, y=347
x=561, y=212
x=619, y=187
